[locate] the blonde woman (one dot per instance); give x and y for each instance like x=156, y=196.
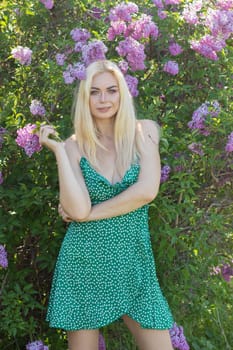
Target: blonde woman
x=109, y=171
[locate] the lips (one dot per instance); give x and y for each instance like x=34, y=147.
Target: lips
x=104, y=109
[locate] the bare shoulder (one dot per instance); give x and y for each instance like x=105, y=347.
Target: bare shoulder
x=71, y=147
x=149, y=130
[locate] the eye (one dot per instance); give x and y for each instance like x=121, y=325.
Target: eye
x=94, y=93
x=112, y=91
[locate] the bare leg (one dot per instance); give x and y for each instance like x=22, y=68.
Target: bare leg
x=83, y=339
x=148, y=339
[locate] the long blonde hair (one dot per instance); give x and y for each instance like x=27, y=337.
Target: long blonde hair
x=125, y=121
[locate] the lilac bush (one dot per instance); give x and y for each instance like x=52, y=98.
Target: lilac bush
x=122, y=23
x=175, y=55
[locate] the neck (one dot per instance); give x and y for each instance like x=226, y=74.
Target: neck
x=105, y=128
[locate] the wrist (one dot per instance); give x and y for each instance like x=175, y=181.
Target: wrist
x=59, y=149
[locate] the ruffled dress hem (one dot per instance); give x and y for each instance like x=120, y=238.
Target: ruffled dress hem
x=112, y=320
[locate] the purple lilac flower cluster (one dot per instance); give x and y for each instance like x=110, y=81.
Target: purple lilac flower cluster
x=22, y=54
x=2, y=133
x=3, y=257
x=174, y=48
x=37, y=108
x=224, y=4
x=165, y=172
x=134, y=53
x=123, y=22
x=28, y=140
x=73, y=72
x=123, y=12
x=48, y=4
x=208, y=46
x=89, y=51
x=132, y=83
x=36, y=345
x=171, y=67
x=162, y=6
x=102, y=345
x=144, y=27
x=178, y=338
x=133, y=30
x=218, y=23
x=80, y=35
x=95, y=50
x=226, y=270
x=196, y=148
x=200, y=115
x=191, y=12
x=229, y=145
x=60, y=58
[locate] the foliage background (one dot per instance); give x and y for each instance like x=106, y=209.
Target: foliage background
x=191, y=219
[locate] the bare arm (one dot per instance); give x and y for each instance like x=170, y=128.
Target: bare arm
x=74, y=196
x=147, y=186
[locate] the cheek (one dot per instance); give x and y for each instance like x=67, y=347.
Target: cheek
x=92, y=103
x=117, y=100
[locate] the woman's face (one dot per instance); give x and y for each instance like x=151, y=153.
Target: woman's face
x=104, y=96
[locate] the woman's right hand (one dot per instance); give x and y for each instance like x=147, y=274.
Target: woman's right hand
x=45, y=140
x=63, y=214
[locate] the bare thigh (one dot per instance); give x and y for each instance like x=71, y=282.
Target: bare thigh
x=148, y=339
x=83, y=339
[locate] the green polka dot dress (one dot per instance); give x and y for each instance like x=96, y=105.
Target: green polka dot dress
x=105, y=268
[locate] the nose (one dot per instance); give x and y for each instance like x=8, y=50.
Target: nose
x=102, y=96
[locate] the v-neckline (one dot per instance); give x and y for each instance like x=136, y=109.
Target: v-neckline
x=102, y=176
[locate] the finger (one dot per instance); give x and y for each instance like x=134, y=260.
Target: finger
x=59, y=209
x=62, y=211
x=63, y=214
x=66, y=218
x=46, y=130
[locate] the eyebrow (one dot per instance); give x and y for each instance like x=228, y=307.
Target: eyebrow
x=109, y=87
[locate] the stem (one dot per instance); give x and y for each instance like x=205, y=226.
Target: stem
x=222, y=329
